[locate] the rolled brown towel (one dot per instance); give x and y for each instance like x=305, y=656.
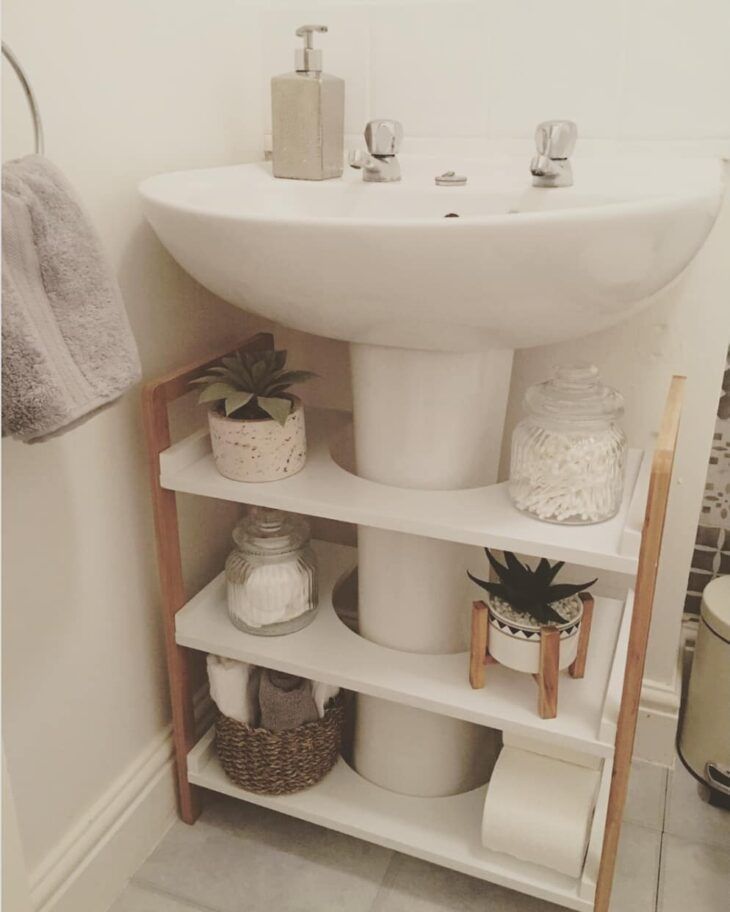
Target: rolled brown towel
x=286, y=701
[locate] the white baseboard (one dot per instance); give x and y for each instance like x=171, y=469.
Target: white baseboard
x=89, y=868
x=657, y=725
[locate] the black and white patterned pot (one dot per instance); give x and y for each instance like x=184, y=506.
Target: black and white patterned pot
x=517, y=645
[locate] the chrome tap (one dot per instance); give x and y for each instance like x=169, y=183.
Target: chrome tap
x=555, y=141
x=380, y=163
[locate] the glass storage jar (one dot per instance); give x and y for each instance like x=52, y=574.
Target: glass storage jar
x=271, y=576
x=569, y=454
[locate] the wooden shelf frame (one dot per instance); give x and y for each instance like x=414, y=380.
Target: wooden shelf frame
x=157, y=396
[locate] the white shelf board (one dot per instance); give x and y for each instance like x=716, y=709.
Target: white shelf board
x=592, y=863
x=445, y=831
x=329, y=651
x=477, y=516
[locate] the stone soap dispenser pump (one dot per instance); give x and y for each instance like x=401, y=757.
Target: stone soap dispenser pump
x=308, y=116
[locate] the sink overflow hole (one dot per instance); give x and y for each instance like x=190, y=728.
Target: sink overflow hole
x=452, y=215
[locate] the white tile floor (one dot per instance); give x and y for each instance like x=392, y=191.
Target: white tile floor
x=674, y=857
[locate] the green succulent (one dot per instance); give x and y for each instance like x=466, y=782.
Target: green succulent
x=252, y=384
x=528, y=590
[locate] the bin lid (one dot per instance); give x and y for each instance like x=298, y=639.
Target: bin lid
x=716, y=606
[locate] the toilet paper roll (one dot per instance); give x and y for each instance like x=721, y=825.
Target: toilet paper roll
x=539, y=809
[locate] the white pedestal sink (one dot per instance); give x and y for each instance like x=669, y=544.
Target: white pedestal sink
x=433, y=308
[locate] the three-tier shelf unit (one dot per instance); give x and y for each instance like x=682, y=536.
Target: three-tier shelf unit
x=597, y=714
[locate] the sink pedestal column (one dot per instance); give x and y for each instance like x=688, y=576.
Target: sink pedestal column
x=428, y=420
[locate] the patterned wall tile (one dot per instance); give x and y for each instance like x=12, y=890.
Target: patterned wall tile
x=712, y=546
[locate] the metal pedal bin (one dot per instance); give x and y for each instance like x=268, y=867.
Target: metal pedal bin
x=704, y=741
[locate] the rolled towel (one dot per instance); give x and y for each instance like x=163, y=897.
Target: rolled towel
x=234, y=688
x=285, y=701
x=68, y=350
x=322, y=694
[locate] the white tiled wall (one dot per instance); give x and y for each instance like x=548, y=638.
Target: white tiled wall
x=624, y=69
x=427, y=66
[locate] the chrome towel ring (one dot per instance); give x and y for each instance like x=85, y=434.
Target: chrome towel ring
x=30, y=96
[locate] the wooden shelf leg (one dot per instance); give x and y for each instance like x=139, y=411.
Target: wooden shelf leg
x=479, y=644
x=547, y=677
x=173, y=598
x=156, y=396
x=183, y=726
x=578, y=668
x=651, y=543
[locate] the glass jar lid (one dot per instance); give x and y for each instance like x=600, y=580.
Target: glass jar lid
x=575, y=392
x=269, y=532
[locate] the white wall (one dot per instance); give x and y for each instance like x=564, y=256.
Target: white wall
x=132, y=87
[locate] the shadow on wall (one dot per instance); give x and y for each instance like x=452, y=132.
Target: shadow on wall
x=185, y=312
x=711, y=555
x=182, y=314
x=178, y=311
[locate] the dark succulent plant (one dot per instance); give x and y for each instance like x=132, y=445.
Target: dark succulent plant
x=252, y=384
x=527, y=590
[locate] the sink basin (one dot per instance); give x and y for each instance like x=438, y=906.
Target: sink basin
x=433, y=308
x=381, y=265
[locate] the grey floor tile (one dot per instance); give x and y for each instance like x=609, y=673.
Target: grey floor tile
x=647, y=795
x=637, y=870
x=138, y=899
x=689, y=817
x=242, y=858
x=695, y=877
x=415, y=886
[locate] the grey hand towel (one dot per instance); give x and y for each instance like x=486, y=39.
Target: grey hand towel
x=68, y=350
x=285, y=700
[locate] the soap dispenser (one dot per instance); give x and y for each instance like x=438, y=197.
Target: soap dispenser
x=308, y=116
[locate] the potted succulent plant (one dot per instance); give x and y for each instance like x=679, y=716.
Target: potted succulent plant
x=523, y=601
x=256, y=425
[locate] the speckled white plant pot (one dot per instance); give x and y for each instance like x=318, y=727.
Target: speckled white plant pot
x=258, y=449
x=517, y=645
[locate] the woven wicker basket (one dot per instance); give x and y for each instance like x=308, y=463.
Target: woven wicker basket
x=276, y=763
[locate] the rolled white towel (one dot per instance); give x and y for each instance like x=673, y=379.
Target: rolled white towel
x=234, y=688
x=322, y=694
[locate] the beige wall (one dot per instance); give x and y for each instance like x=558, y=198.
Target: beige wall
x=129, y=88
x=15, y=890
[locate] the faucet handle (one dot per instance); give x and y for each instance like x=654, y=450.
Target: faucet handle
x=384, y=137
x=556, y=139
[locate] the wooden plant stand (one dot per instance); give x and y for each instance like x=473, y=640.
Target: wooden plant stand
x=548, y=676
x=343, y=800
